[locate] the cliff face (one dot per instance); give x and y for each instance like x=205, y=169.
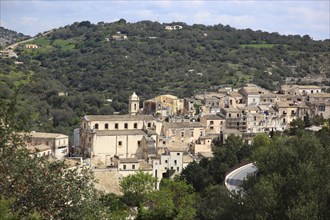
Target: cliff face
x=8, y=37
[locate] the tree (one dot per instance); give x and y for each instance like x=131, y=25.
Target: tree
x=197, y=176
x=215, y=203
x=135, y=187
x=117, y=208
x=159, y=204
x=36, y=185
x=183, y=197
x=292, y=182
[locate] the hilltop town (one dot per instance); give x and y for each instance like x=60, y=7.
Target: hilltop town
x=168, y=132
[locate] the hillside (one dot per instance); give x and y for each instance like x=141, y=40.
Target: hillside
x=95, y=62
x=8, y=37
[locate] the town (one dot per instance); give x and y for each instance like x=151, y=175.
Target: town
x=168, y=132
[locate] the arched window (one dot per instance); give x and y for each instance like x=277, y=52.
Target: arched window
x=96, y=126
x=106, y=126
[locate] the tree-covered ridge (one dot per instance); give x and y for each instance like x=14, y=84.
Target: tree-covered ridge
x=84, y=61
x=8, y=37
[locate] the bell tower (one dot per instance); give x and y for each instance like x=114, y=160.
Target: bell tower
x=133, y=104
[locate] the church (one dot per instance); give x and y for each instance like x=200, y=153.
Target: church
x=107, y=138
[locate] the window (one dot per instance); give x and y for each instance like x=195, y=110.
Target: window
x=211, y=122
x=254, y=100
x=90, y=139
x=139, y=143
x=149, y=125
x=178, y=169
x=116, y=126
x=321, y=108
x=125, y=125
x=255, y=118
x=124, y=167
x=120, y=143
x=84, y=125
x=192, y=133
x=47, y=143
x=134, y=106
x=165, y=161
x=106, y=126
x=135, y=125
x=229, y=115
x=178, y=154
x=211, y=128
x=182, y=133
x=231, y=102
x=133, y=167
x=271, y=100
x=237, y=123
x=96, y=126
x=237, y=115
x=175, y=162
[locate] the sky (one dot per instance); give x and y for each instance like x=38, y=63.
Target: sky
x=303, y=17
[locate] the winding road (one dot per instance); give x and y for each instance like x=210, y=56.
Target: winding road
x=234, y=179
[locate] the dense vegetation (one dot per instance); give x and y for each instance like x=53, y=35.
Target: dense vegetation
x=84, y=61
x=8, y=37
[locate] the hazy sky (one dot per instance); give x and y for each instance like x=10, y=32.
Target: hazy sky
x=285, y=17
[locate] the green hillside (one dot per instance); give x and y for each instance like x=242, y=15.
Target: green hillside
x=84, y=61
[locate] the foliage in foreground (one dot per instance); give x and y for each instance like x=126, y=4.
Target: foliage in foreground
x=36, y=185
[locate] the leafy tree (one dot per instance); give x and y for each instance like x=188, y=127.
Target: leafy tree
x=215, y=203
x=117, y=208
x=36, y=185
x=183, y=197
x=197, y=176
x=292, y=182
x=135, y=187
x=159, y=204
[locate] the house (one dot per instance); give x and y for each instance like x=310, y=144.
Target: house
x=235, y=118
x=164, y=105
x=202, y=145
x=168, y=164
x=251, y=94
x=189, y=107
x=119, y=36
x=319, y=104
x=184, y=132
x=214, y=124
x=31, y=46
x=300, y=89
x=59, y=143
x=39, y=150
x=287, y=111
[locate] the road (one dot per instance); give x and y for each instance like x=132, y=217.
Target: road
x=235, y=178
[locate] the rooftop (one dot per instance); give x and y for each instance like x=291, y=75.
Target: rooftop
x=34, y=134
x=319, y=95
x=118, y=118
x=128, y=160
x=119, y=132
x=212, y=117
x=183, y=125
